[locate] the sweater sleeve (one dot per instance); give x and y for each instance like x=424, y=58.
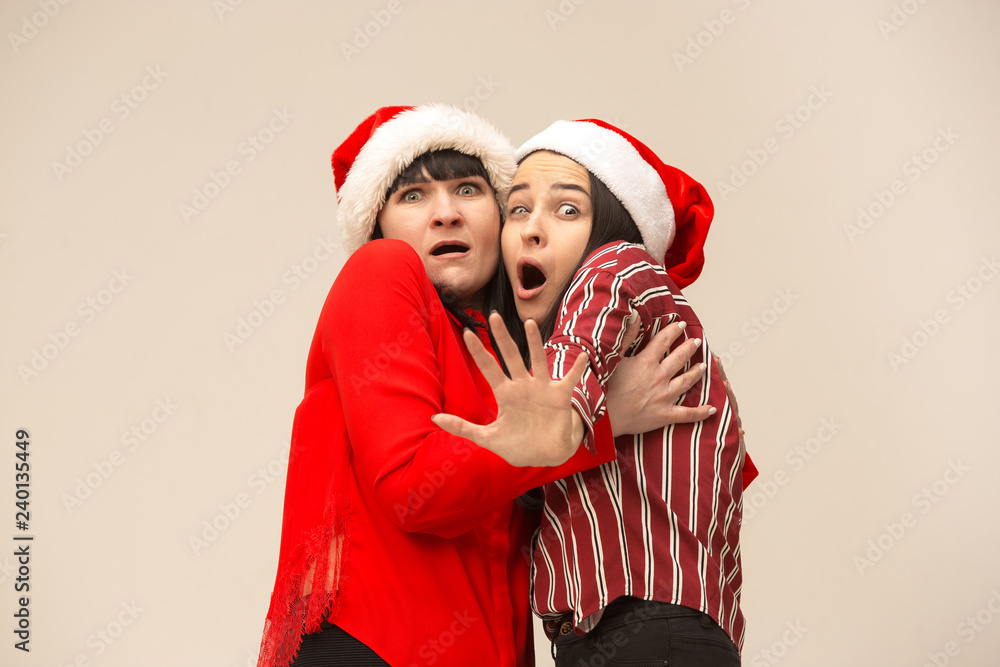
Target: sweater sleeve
x=377, y=335
x=591, y=320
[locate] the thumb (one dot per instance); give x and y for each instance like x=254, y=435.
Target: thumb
x=455, y=425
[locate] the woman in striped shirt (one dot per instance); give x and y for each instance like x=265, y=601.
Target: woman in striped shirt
x=639, y=558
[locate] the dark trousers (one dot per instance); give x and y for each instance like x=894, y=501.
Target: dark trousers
x=639, y=633
x=331, y=647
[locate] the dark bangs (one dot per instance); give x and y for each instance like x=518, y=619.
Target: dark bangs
x=442, y=165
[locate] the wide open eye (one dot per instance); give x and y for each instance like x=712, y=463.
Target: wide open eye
x=468, y=189
x=568, y=210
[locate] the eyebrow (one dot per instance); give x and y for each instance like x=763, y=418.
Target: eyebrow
x=555, y=186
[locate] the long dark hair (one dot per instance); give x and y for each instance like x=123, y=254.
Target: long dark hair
x=445, y=165
x=610, y=223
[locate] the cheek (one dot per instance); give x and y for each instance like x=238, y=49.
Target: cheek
x=394, y=225
x=508, y=246
x=577, y=246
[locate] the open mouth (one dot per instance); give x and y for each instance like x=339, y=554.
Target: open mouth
x=450, y=248
x=530, y=278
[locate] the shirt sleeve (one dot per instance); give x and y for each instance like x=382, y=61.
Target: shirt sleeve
x=377, y=336
x=591, y=321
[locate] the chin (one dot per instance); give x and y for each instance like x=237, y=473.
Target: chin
x=527, y=312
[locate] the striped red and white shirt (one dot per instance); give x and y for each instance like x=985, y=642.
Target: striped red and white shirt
x=662, y=522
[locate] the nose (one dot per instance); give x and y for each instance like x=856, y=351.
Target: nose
x=533, y=230
x=446, y=212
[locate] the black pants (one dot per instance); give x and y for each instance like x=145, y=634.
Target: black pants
x=332, y=647
x=638, y=633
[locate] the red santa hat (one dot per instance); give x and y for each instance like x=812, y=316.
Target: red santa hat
x=385, y=144
x=671, y=209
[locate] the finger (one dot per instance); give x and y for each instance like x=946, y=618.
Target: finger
x=539, y=364
x=683, y=382
x=682, y=414
x=661, y=342
x=507, y=347
x=575, y=374
x=488, y=366
x=457, y=426
x=631, y=331
x=680, y=357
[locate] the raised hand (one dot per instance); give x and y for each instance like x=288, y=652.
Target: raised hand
x=643, y=391
x=536, y=424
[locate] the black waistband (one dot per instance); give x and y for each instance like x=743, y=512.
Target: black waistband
x=625, y=609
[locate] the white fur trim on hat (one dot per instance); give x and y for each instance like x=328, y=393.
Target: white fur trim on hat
x=613, y=159
x=398, y=142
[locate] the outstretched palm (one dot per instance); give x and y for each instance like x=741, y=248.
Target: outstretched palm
x=536, y=424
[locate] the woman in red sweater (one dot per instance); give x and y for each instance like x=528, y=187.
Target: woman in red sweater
x=401, y=543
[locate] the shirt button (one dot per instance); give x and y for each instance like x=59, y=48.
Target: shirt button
x=566, y=628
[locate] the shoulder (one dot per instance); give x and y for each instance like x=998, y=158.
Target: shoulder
x=620, y=257
x=382, y=269
x=384, y=261
x=387, y=254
